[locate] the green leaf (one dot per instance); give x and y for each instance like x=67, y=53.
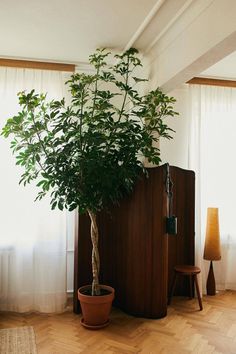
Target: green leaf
x=137, y=79
x=86, y=154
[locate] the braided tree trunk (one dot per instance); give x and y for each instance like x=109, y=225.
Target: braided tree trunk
x=95, y=254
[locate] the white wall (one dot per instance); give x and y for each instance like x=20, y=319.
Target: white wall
x=175, y=151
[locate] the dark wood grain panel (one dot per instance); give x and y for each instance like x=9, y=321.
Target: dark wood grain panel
x=135, y=256
x=181, y=246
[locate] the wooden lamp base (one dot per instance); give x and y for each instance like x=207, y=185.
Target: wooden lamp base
x=211, y=284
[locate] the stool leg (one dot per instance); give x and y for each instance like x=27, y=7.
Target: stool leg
x=198, y=292
x=190, y=286
x=172, y=289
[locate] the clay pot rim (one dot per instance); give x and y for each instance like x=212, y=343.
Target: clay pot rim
x=97, y=299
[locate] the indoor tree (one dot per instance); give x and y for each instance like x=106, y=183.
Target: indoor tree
x=87, y=154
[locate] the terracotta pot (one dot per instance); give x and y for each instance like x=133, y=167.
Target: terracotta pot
x=95, y=309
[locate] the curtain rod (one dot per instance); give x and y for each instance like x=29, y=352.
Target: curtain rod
x=212, y=82
x=29, y=64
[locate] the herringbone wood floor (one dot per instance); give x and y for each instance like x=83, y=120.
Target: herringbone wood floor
x=184, y=330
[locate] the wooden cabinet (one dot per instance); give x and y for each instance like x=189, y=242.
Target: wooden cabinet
x=137, y=255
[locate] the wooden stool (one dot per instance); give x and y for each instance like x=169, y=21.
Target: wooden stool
x=191, y=272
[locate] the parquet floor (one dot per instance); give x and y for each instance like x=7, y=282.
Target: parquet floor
x=184, y=330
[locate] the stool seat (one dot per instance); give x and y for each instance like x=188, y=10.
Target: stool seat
x=187, y=269
x=191, y=272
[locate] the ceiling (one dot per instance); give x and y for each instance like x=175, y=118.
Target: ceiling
x=70, y=30
x=224, y=69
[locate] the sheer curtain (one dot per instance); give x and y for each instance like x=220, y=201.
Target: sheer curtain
x=211, y=155
x=32, y=237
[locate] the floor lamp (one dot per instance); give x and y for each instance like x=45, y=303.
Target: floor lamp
x=212, y=246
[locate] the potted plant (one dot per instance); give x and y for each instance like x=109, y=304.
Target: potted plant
x=89, y=153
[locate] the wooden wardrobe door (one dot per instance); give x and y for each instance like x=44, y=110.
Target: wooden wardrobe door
x=139, y=244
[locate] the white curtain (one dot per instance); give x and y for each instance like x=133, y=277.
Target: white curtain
x=32, y=237
x=212, y=146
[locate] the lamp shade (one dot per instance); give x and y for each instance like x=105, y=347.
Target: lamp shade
x=212, y=240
